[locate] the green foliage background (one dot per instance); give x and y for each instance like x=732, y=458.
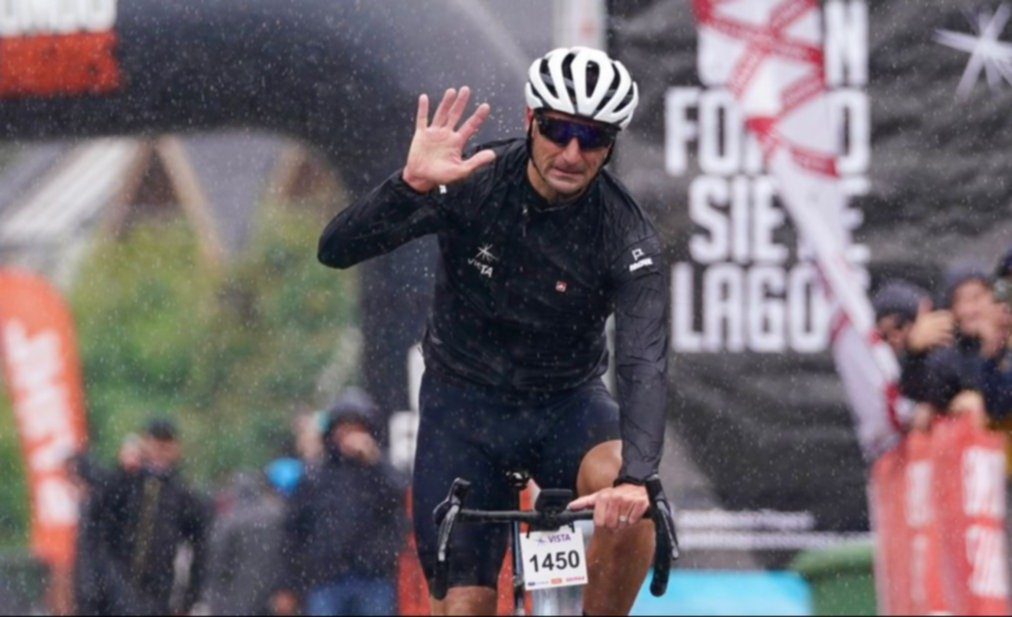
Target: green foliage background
x=229, y=352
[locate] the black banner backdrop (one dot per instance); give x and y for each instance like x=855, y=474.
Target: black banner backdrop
x=924, y=124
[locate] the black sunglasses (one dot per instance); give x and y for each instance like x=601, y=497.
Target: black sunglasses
x=561, y=132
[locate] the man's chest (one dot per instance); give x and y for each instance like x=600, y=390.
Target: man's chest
x=531, y=268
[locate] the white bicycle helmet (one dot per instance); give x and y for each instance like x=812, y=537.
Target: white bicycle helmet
x=583, y=82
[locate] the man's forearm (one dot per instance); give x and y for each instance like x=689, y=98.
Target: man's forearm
x=641, y=348
x=387, y=217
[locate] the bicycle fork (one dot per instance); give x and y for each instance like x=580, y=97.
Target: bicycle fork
x=519, y=597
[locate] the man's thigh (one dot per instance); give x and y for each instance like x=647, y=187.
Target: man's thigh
x=581, y=423
x=456, y=440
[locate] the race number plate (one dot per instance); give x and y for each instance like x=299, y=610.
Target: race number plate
x=553, y=558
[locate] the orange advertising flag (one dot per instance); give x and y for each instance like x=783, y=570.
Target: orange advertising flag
x=42, y=374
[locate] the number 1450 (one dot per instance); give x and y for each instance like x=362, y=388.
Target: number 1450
x=559, y=560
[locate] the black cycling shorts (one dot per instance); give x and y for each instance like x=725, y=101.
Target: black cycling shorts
x=472, y=433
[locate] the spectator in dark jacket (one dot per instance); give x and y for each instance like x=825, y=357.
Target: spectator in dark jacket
x=346, y=521
x=906, y=322
x=939, y=377
x=143, y=518
x=92, y=571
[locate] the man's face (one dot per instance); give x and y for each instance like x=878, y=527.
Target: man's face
x=161, y=455
x=970, y=303
x=895, y=331
x=564, y=170
x=354, y=441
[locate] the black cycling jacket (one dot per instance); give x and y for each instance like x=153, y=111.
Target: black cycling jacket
x=523, y=288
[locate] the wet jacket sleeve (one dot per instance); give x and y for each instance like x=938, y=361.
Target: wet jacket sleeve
x=390, y=215
x=641, y=355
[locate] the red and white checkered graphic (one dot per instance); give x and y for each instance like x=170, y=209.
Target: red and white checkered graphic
x=769, y=55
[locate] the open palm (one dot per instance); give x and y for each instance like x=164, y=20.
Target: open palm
x=436, y=154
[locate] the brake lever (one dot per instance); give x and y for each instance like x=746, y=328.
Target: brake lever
x=666, y=549
x=445, y=515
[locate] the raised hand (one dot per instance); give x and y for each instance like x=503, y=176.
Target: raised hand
x=931, y=329
x=436, y=153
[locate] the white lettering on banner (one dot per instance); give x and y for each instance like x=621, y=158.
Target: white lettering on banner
x=683, y=309
x=724, y=327
x=919, y=509
x=764, y=308
x=985, y=550
x=846, y=43
x=850, y=113
x=35, y=17
x=678, y=131
x=57, y=503
x=36, y=365
x=721, y=133
x=739, y=216
x=766, y=320
x=42, y=404
x=983, y=483
x=722, y=145
x=740, y=291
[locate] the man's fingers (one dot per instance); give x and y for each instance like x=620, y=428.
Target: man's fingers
x=439, y=119
x=422, y=119
x=638, y=510
x=582, y=503
x=457, y=110
x=612, y=512
x=480, y=159
x=601, y=514
x=471, y=126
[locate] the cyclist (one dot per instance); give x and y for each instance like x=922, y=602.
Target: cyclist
x=538, y=246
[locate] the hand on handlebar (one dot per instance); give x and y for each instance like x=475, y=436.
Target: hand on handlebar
x=615, y=507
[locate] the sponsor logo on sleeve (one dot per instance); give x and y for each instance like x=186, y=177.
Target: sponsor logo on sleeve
x=639, y=261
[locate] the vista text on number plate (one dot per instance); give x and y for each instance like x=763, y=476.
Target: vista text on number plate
x=553, y=558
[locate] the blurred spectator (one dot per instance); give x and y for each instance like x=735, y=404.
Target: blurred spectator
x=904, y=318
x=346, y=522
x=92, y=571
x=143, y=516
x=906, y=322
x=100, y=588
x=937, y=376
x=244, y=568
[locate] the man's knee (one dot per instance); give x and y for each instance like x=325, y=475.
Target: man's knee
x=600, y=467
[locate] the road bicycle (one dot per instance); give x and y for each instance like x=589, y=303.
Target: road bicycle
x=549, y=514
